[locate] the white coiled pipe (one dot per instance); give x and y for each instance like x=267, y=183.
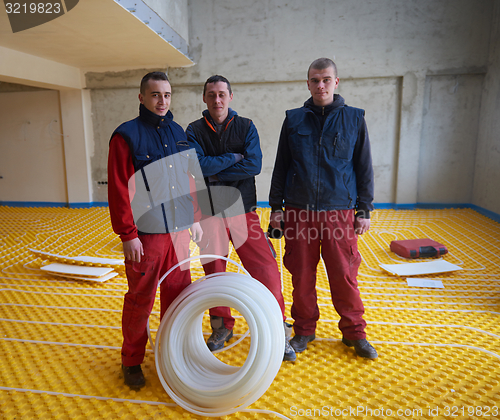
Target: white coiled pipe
x=191, y=375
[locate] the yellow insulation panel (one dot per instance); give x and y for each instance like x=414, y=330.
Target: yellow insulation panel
x=439, y=349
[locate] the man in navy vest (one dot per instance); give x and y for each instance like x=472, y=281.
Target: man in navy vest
x=323, y=177
x=228, y=149
x=151, y=210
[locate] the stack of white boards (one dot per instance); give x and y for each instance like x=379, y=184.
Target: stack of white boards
x=80, y=272
x=81, y=267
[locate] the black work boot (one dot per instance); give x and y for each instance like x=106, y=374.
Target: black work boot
x=133, y=376
x=220, y=334
x=363, y=347
x=299, y=342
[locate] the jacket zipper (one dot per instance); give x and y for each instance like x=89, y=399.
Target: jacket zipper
x=348, y=193
x=319, y=167
x=319, y=160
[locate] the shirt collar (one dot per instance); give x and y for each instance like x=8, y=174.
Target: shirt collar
x=153, y=119
x=208, y=118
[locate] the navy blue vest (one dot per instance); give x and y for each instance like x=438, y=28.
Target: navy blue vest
x=322, y=175
x=161, y=156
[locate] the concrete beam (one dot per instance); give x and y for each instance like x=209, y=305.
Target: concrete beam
x=409, y=138
x=26, y=69
x=78, y=141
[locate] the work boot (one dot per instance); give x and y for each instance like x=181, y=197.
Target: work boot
x=220, y=334
x=289, y=355
x=133, y=376
x=363, y=347
x=299, y=342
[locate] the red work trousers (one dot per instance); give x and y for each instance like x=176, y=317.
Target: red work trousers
x=161, y=252
x=252, y=247
x=331, y=234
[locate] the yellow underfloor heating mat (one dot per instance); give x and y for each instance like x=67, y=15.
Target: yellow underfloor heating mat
x=439, y=348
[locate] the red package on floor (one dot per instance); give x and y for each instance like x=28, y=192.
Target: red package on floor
x=418, y=248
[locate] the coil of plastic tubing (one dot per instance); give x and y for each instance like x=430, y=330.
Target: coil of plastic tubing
x=191, y=375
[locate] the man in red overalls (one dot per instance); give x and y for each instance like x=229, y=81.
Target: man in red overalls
x=323, y=176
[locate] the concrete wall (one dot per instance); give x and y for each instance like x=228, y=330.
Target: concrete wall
x=486, y=192
x=449, y=138
x=420, y=69
x=275, y=40
x=174, y=12
x=390, y=55
x=31, y=147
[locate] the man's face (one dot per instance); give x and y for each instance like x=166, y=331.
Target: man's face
x=217, y=98
x=156, y=97
x=322, y=84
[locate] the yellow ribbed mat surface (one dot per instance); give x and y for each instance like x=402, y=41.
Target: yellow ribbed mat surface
x=439, y=349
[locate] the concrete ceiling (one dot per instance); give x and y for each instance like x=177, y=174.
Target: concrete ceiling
x=96, y=35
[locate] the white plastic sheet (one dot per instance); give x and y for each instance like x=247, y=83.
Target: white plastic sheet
x=99, y=274
x=415, y=269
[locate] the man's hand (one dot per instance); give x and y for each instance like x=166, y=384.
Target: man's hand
x=275, y=219
x=133, y=250
x=238, y=157
x=361, y=225
x=196, y=232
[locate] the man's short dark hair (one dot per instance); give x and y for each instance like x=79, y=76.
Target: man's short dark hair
x=321, y=64
x=154, y=75
x=217, y=78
